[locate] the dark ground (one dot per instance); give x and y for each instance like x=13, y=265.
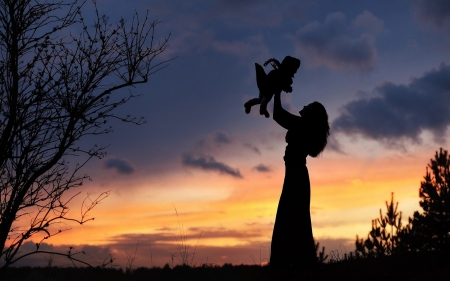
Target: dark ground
x=423, y=266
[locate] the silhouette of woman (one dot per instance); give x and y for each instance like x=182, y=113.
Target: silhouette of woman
x=292, y=238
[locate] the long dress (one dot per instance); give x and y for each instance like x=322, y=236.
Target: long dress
x=292, y=238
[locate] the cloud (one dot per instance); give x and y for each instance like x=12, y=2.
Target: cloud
x=173, y=235
x=94, y=255
x=208, y=163
x=252, y=147
x=435, y=13
x=368, y=23
x=157, y=249
x=401, y=111
x=334, y=145
x=262, y=168
x=122, y=166
x=220, y=137
x=337, y=44
x=161, y=246
x=215, y=139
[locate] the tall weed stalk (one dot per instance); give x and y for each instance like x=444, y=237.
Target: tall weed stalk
x=185, y=256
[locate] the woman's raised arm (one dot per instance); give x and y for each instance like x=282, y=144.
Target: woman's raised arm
x=282, y=117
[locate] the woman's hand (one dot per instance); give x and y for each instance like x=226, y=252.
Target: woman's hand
x=281, y=116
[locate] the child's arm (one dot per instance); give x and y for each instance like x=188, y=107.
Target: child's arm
x=276, y=65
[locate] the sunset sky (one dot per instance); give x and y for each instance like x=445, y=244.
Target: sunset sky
x=381, y=69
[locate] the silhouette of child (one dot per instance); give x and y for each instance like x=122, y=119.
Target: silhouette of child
x=279, y=79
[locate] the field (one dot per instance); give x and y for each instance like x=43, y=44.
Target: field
x=413, y=266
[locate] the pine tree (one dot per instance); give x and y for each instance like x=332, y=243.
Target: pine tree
x=425, y=231
x=383, y=239
x=431, y=229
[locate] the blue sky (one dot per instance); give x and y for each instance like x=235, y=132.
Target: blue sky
x=349, y=50
x=381, y=69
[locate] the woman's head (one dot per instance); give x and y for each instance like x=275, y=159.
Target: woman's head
x=316, y=118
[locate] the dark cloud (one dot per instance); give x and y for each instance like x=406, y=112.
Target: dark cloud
x=192, y=233
x=401, y=111
x=122, y=166
x=433, y=12
x=334, y=145
x=215, y=139
x=254, y=148
x=262, y=168
x=94, y=255
x=221, y=137
x=154, y=250
x=337, y=44
x=208, y=163
x=158, y=248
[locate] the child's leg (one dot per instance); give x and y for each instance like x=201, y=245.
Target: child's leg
x=263, y=107
x=251, y=103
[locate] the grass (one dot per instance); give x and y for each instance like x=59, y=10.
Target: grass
x=340, y=255
x=185, y=255
x=338, y=265
x=411, y=266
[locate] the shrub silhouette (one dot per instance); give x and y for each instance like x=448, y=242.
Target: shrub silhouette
x=321, y=257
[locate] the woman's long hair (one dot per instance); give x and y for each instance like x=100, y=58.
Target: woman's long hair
x=318, y=128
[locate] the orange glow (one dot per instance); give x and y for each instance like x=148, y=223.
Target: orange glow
x=347, y=193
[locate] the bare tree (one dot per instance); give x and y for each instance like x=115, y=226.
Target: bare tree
x=55, y=89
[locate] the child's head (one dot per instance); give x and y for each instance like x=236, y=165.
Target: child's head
x=290, y=64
